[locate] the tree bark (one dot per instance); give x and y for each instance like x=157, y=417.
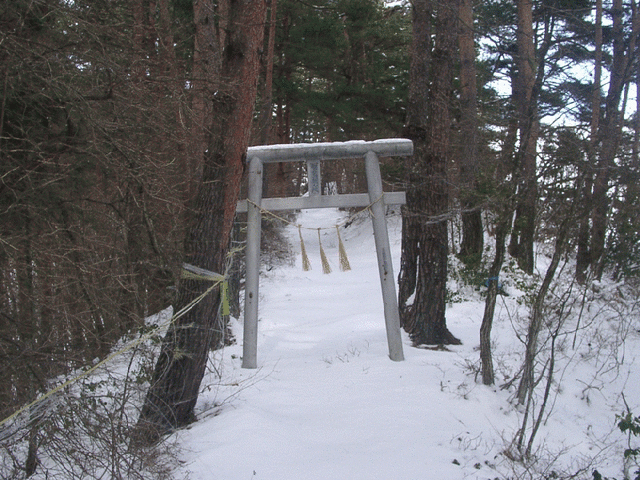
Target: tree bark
x=521, y=245
x=416, y=126
x=174, y=388
x=486, y=357
x=267, y=98
x=504, y=212
x=472, y=231
x=610, y=131
x=425, y=238
x=583, y=255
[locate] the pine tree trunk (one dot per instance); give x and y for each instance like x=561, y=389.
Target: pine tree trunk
x=283, y=106
x=521, y=245
x=267, y=97
x=180, y=368
x=472, y=231
x=407, y=277
x=472, y=243
x=610, y=132
x=425, y=235
x=583, y=255
x=524, y=226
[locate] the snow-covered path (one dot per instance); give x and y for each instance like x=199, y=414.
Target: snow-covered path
x=327, y=403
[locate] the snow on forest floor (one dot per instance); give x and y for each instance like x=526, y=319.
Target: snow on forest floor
x=327, y=403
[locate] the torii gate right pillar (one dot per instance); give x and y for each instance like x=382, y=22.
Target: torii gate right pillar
x=383, y=250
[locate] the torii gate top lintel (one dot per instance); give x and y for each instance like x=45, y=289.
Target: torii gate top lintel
x=391, y=147
x=313, y=153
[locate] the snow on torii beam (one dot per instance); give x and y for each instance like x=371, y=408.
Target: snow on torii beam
x=391, y=147
x=316, y=152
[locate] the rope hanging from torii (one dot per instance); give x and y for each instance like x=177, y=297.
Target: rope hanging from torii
x=342, y=252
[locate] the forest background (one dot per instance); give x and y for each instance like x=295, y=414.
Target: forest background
x=524, y=116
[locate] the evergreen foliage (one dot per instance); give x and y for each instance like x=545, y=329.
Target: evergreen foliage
x=341, y=69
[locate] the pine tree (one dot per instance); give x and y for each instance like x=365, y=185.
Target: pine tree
x=231, y=61
x=424, y=231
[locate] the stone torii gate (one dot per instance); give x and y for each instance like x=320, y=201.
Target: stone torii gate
x=313, y=154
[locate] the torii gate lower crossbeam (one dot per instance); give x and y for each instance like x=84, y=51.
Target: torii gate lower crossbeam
x=314, y=153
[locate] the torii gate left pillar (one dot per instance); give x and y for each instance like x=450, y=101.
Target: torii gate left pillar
x=375, y=198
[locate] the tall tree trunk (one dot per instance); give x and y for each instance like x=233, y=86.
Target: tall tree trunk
x=272, y=174
x=416, y=129
x=283, y=107
x=486, y=357
x=425, y=238
x=504, y=211
x=472, y=232
x=521, y=245
x=265, y=120
x=207, y=47
x=583, y=255
x=611, y=130
x=180, y=368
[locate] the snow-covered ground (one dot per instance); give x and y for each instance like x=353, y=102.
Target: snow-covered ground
x=327, y=403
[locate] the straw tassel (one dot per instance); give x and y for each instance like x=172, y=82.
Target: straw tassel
x=306, y=264
x=325, y=263
x=344, y=261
